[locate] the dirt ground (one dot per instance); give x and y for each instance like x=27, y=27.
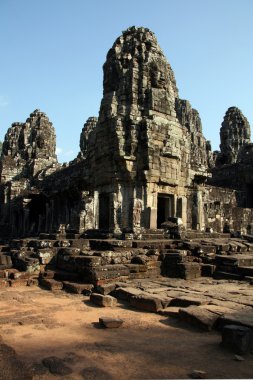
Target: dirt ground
x=36, y=324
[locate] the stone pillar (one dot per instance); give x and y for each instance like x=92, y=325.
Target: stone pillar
x=116, y=214
x=174, y=209
x=25, y=206
x=201, y=220
x=96, y=209
x=184, y=211
x=137, y=210
x=152, y=203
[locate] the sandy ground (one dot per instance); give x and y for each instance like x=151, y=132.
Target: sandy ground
x=38, y=324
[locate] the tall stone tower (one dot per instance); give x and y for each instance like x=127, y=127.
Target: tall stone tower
x=28, y=148
x=234, y=134
x=147, y=148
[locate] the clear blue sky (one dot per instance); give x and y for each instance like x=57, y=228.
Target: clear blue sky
x=52, y=52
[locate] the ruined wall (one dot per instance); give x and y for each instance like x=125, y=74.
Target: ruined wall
x=222, y=213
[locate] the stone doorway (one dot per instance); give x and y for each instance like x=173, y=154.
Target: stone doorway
x=104, y=211
x=37, y=212
x=165, y=208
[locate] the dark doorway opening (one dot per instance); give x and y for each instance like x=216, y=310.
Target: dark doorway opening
x=37, y=210
x=104, y=211
x=249, y=199
x=16, y=223
x=179, y=207
x=165, y=208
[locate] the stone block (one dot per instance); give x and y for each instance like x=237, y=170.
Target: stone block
x=238, y=339
x=146, y=303
x=77, y=288
x=106, y=288
x=110, y=323
x=126, y=293
x=198, y=317
x=87, y=261
x=51, y=284
x=170, y=311
x=207, y=270
x=101, y=300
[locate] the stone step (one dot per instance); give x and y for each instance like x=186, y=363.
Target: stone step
x=237, y=260
x=51, y=284
x=78, y=288
x=152, y=244
x=152, y=236
x=97, y=234
x=201, y=235
x=227, y=268
x=109, y=244
x=245, y=271
x=61, y=275
x=71, y=235
x=219, y=275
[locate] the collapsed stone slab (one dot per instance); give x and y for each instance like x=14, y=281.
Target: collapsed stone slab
x=201, y=318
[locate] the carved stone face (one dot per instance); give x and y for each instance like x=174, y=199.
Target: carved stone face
x=40, y=142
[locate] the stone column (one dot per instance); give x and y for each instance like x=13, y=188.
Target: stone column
x=153, y=211
x=174, y=210
x=201, y=222
x=116, y=214
x=96, y=209
x=184, y=211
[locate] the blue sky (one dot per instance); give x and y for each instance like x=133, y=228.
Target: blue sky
x=52, y=52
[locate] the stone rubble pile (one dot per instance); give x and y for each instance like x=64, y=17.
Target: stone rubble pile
x=71, y=259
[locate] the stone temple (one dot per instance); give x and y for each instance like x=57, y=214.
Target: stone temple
x=146, y=213
x=143, y=160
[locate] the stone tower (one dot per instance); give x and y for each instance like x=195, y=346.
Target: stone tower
x=234, y=134
x=84, y=137
x=147, y=141
x=28, y=148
